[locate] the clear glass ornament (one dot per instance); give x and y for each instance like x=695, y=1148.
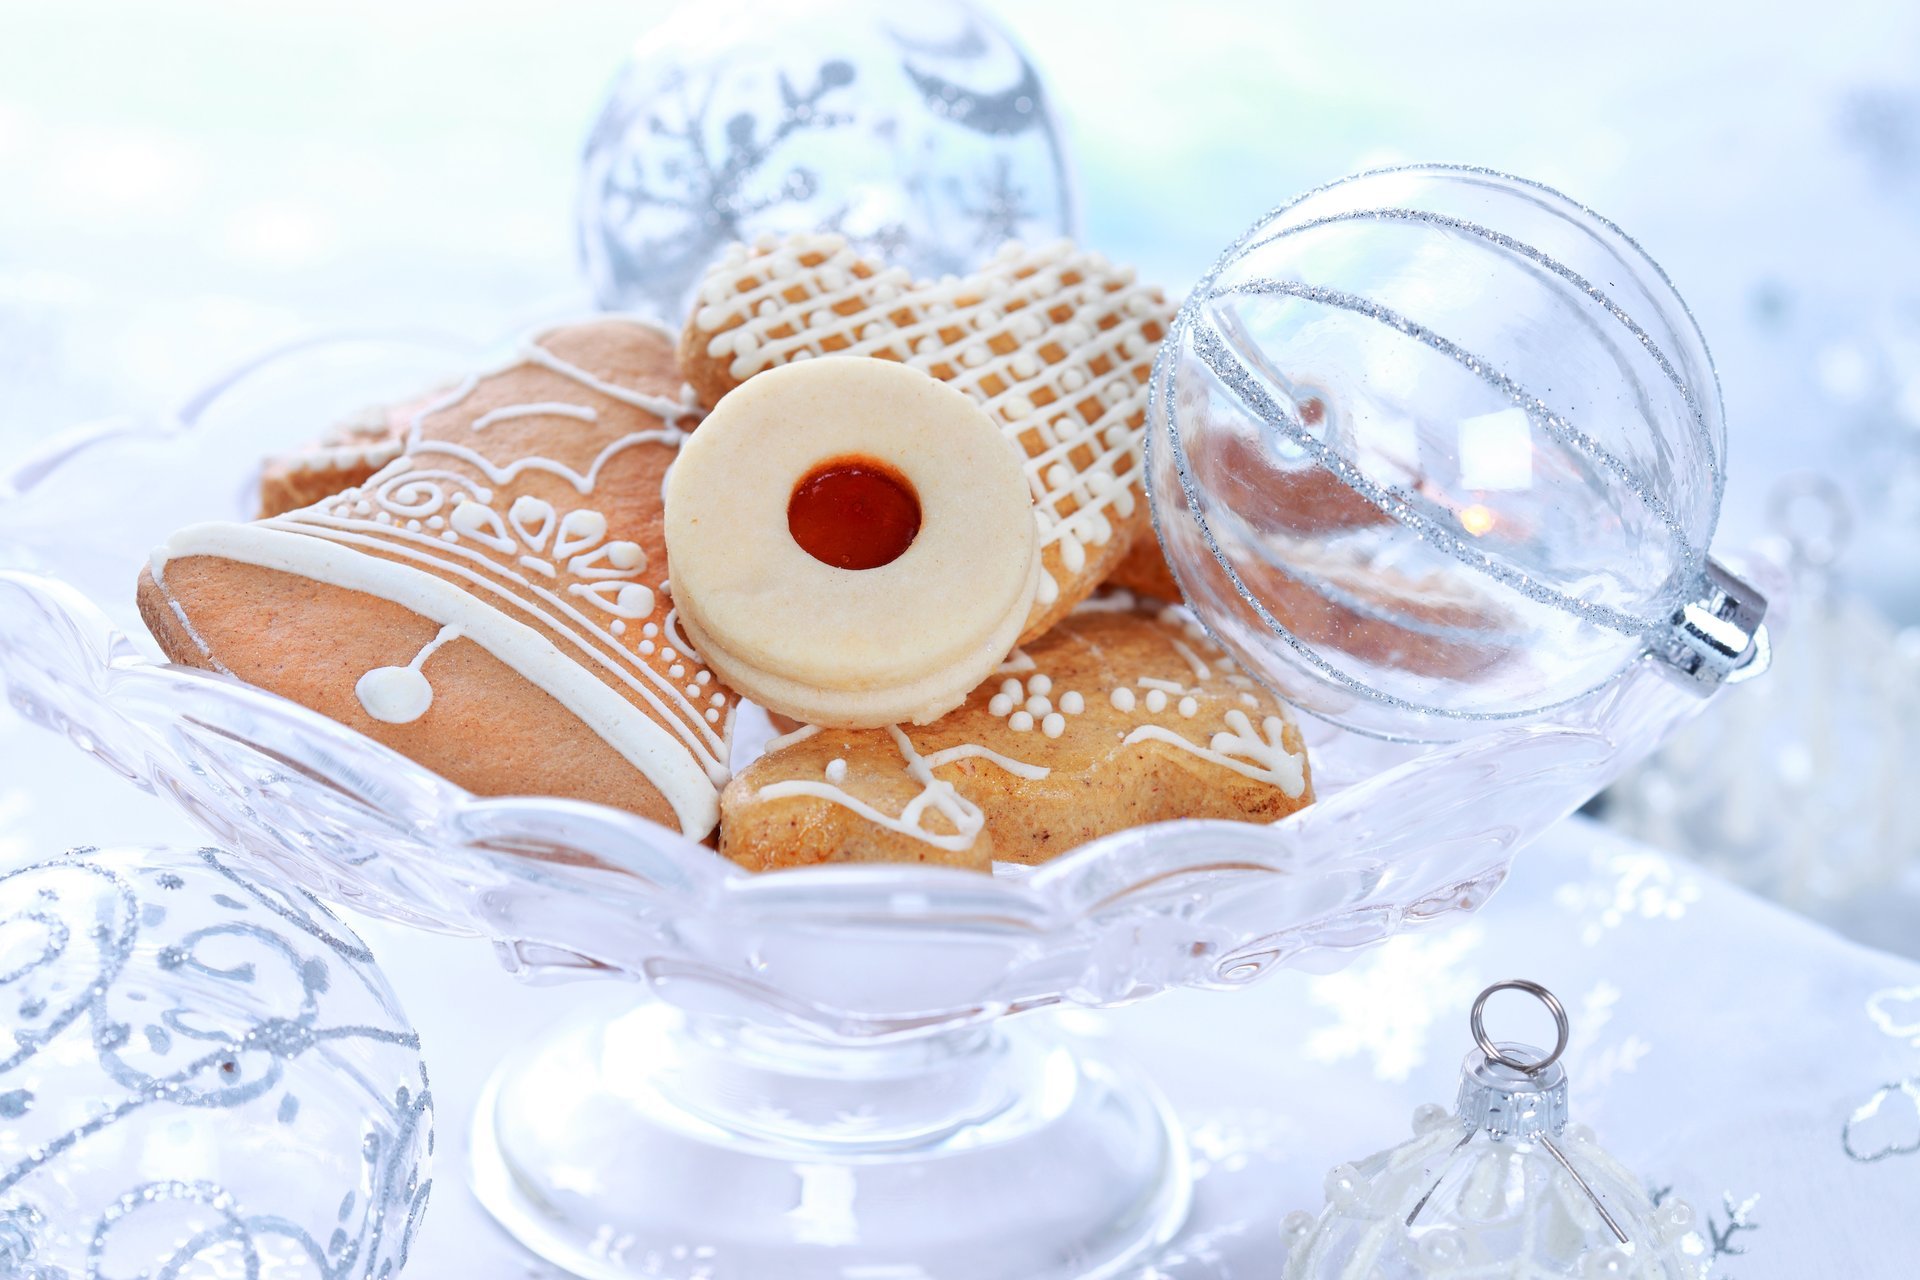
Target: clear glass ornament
x=1502, y=1185
x=202, y=1073
x=1434, y=445
x=920, y=132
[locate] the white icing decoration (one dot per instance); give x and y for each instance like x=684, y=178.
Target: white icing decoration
x=1053, y=725
x=1072, y=703
x=1189, y=707
x=533, y=519
x=613, y=560
x=1260, y=756
x=550, y=409
x=583, y=529
x=621, y=599
x=1201, y=671
x=713, y=751
x=1156, y=700
x=688, y=788
x=801, y=734
x=1016, y=662
x=1020, y=721
x=386, y=515
x=965, y=817
x=1110, y=600
x=401, y=695
x=780, y=311
x=836, y=771
x=1040, y=684
x=973, y=750
x=1122, y=699
x=481, y=523
x=672, y=624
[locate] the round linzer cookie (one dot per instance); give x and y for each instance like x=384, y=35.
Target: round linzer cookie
x=1055, y=342
x=494, y=602
x=1121, y=715
x=851, y=542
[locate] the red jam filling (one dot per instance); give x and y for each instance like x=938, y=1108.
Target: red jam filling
x=854, y=513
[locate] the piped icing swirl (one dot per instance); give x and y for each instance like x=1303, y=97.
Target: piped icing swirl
x=522, y=517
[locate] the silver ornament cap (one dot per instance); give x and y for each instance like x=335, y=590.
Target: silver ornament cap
x=1503, y=1102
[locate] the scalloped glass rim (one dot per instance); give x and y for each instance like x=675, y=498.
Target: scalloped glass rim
x=1180, y=903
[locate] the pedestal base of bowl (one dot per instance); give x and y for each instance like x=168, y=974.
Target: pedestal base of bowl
x=644, y=1142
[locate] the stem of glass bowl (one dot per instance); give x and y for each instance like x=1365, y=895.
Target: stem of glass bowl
x=647, y=1141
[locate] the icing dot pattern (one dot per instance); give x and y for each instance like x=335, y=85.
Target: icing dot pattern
x=1025, y=706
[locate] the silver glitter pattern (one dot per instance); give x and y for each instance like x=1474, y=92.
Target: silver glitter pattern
x=1708, y=445
x=190, y=999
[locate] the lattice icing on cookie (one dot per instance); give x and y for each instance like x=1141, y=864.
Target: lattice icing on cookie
x=1056, y=342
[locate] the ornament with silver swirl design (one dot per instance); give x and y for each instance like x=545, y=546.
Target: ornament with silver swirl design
x=201, y=1073
x=920, y=132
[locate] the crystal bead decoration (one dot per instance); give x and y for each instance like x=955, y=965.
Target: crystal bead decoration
x=1503, y=1184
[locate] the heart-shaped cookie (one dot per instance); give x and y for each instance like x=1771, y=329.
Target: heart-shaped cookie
x=1055, y=342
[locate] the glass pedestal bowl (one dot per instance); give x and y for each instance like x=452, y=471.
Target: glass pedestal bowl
x=817, y=1074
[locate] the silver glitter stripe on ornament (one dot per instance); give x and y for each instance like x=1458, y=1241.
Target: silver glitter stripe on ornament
x=1572, y=277
x=1536, y=409
x=1157, y=398
x=1246, y=240
x=1484, y=172
x=1390, y=499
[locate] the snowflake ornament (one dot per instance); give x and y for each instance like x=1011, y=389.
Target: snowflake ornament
x=920, y=132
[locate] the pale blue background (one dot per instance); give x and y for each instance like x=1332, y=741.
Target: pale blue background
x=183, y=182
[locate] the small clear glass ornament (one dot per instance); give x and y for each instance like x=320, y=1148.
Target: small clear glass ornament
x=1502, y=1185
x=1435, y=446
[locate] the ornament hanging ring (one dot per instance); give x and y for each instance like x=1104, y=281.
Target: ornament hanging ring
x=1561, y=1027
